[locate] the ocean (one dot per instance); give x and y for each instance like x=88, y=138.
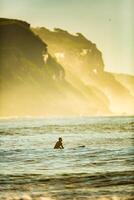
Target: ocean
x=97, y=161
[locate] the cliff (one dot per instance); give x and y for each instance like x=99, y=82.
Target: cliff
x=83, y=64
x=33, y=81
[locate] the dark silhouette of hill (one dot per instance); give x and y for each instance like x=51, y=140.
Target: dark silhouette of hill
x=33, y=82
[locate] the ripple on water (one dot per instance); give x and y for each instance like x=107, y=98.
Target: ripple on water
x=96, y=164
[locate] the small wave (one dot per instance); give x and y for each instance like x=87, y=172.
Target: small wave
x=94, y=180
x=104, y=186
x=26, y=196
x=15, y=196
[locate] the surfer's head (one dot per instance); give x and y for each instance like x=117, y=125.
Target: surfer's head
x=60, y=139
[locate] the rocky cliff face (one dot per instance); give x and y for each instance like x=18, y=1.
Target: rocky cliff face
x=33, y=82
x=127, y=81
x=66, y=47
x=84, y=67
x=16, y=35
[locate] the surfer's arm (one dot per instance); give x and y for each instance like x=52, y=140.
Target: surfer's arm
x=61, y=146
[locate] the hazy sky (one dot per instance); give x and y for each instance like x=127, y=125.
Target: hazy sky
x=108, y=23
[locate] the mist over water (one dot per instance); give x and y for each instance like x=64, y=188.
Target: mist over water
x=96, y=163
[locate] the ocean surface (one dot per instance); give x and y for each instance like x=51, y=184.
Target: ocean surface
x=97, y=161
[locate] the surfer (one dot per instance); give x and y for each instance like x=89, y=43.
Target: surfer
x=59, y=144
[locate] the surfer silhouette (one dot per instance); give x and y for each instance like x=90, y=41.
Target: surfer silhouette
x=59, y=144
